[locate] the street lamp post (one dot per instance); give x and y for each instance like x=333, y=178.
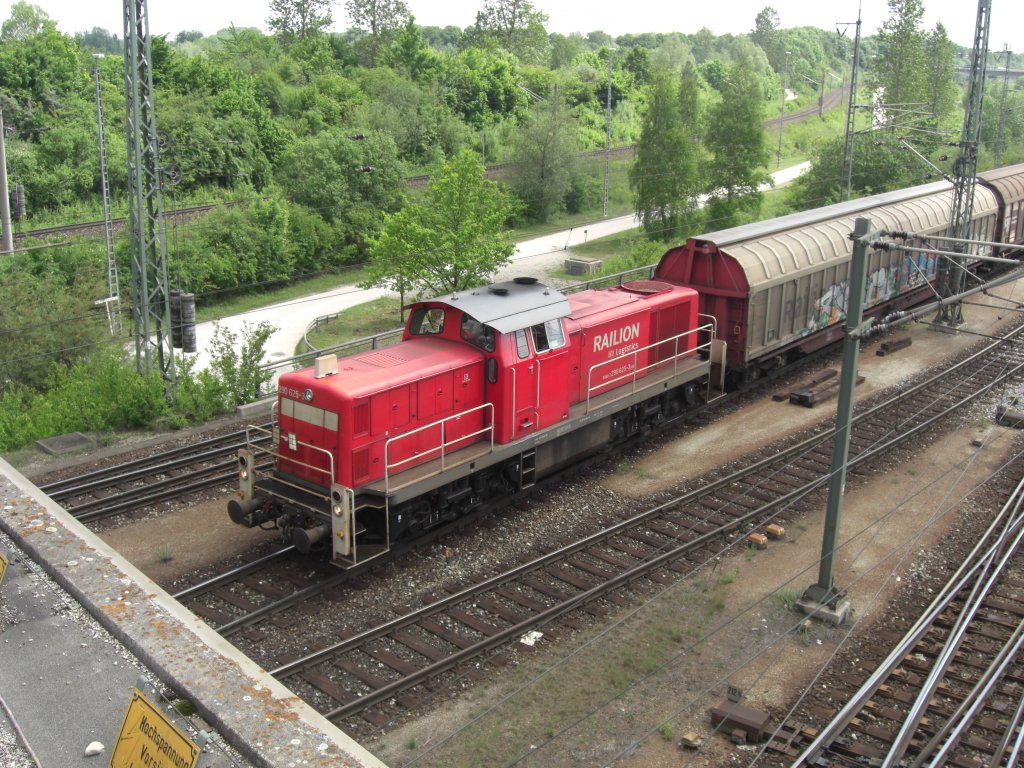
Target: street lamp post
x=608, y=130
x=782, y=109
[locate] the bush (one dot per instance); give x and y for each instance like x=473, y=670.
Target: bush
x=104, y=392
x=642, y=253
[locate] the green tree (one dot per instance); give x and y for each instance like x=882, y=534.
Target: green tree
x=39, y=67
x=1002, y=124
x=188, y=36
x=416, y=115
x=543, y=154
x=899, y=68
x=411, y=54
x=735, y=136
x=766, y=35
x=564, y=49
x=243, y=245
x=940, y=71
x=26, y=20
x=381, y=20
x=350, y=183
x=454, y=239
x=879, y=164
x=236, y=361
x=665, y=176
x=298, y=19
x=638, y=63
x=517, y=27
x=482, y=86
x=99, y=39
x=47, y=311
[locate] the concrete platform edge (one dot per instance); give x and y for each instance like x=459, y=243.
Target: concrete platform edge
x=253, y=712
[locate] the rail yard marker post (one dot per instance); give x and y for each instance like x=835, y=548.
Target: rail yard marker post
x=823, y=600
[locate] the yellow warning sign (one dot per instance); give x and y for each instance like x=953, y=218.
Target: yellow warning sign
x=149, y=740
x=3, y=566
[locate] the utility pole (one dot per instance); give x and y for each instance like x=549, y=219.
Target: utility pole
x=112, y=301
x=821, y=95
x=851, y=118
x=7, y=236
x=1001, y=141
x=950, y=275
x=151, y=305
x=782, y=108
x=822, y=599
x=608, y=130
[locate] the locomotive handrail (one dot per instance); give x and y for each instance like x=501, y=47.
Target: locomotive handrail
x=273, y=452
x=636, y=371
x=388, y=466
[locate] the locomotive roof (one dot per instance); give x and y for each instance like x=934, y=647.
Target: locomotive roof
x=509, y=306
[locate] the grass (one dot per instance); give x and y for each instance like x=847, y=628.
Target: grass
x=628, y=466
x=786, y=598
x=357, y=322
x=728, y=577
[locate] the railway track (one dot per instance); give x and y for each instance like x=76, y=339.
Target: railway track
x=97, y=227
x=148, y=480
x=403, y=661
x=949, y=689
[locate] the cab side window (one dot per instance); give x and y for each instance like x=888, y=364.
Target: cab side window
x=549, y=335
x=426, y=321
x=522, y=345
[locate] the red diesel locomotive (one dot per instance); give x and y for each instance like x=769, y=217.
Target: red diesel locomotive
x=495, y=388
x=490, y=390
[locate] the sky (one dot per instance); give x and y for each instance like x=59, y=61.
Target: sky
x=564, y=16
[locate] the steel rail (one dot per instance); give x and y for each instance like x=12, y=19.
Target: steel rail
x=964, y=576
x=235, y=573
x=88, y=479
x=963, y=717
x=973, y=603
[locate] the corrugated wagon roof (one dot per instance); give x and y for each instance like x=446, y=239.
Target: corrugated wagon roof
x=778, y=254
x=1008, y=182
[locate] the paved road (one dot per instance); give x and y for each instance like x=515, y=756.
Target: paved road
x=534, y=257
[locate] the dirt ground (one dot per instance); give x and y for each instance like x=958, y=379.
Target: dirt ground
x=546, y=712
